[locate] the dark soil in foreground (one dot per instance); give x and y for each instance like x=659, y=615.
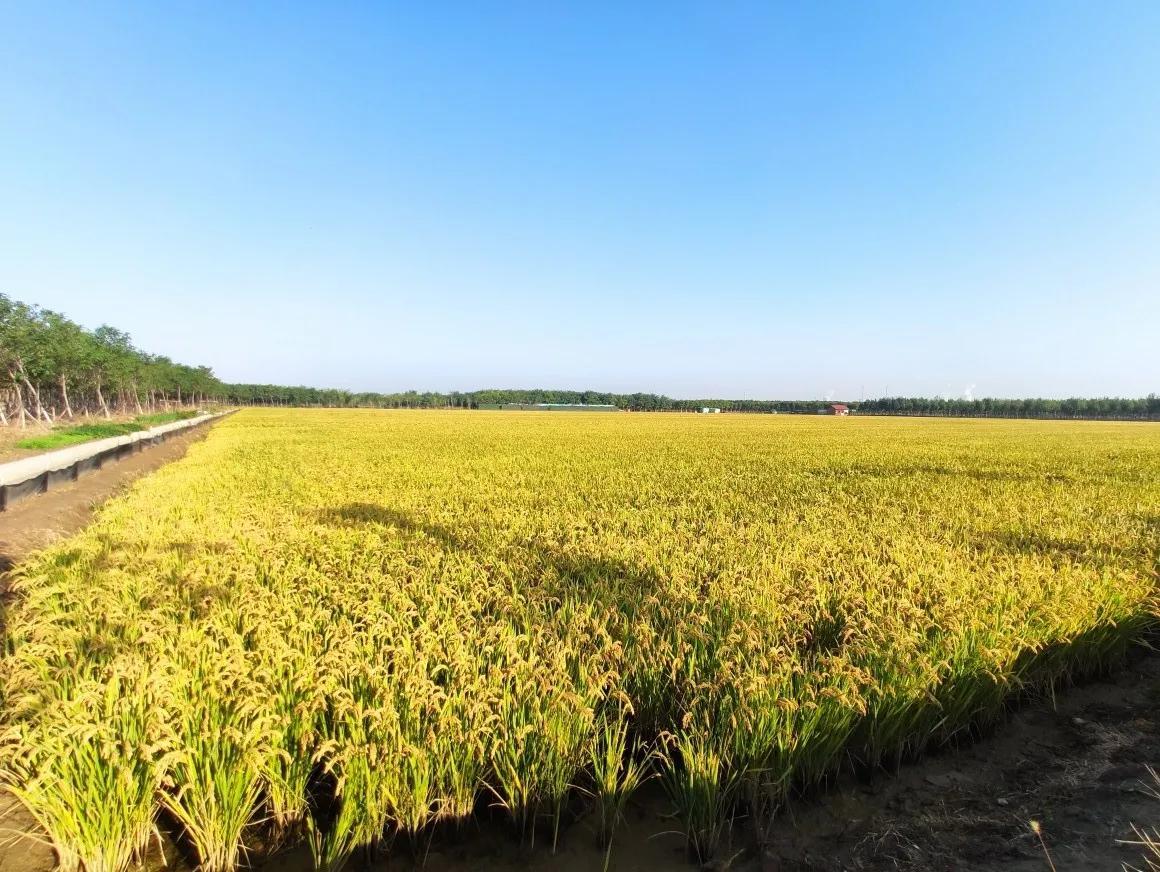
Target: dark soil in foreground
x=1076, y=764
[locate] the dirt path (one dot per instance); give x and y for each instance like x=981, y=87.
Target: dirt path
x=35, y=523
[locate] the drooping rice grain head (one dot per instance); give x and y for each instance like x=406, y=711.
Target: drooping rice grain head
x=620, y=765
x=703, y=784
x=224, y=739
x=88, y=770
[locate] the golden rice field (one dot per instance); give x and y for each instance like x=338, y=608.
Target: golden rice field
x=341, y=628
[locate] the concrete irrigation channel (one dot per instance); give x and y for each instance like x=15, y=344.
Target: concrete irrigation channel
x=30, y=476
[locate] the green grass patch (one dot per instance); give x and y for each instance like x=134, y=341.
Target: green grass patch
x=162, y=418
x=62, y=437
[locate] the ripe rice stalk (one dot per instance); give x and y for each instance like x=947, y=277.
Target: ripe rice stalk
x=223, y=738
x=364, y=805
x=88, y=771
x=619, y=767
x=703, y=785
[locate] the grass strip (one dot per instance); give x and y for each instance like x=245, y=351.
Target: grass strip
x=62, y=437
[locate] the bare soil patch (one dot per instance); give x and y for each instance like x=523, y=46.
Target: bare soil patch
x=9, y=436
x=1075, y=764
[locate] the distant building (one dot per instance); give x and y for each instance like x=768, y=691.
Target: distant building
x=710, y=410
x=835, y=409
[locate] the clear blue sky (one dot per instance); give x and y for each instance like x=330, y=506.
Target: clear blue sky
x=770, y=199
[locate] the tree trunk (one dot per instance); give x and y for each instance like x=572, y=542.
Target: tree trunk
x=101, y=400
x=20, y=402
x=137, y=399
x=32, y=391
x=64, y=396
x=40, y=410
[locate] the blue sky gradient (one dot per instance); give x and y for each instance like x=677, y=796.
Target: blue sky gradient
x=763, y=200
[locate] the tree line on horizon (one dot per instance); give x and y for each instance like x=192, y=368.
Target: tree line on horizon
x=53, y=369
x=1077, y=407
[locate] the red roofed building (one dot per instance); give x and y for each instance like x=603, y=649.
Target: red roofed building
x=839, y=409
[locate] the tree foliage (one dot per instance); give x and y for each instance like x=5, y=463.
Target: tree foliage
x=52, y=368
